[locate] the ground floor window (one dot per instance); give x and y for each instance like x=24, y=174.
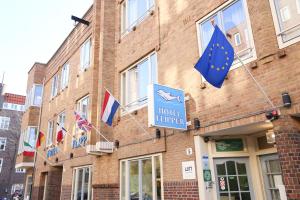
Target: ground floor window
x=28, y=188
x=141, y=178
x=82, y=177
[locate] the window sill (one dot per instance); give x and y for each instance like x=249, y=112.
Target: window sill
x=286, y=44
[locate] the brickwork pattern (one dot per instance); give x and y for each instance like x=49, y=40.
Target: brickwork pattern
x=181, y=190
x=106, y=192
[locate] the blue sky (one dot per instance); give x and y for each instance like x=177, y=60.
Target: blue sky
x=31, y=31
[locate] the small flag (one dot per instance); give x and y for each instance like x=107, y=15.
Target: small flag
x=82, y=123
x=59, y=134
x=28, y=150
x=109, y=108
x=217, y=59
x=40, y=139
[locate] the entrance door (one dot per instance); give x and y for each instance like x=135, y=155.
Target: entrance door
x=272, y=176
x=232, y=177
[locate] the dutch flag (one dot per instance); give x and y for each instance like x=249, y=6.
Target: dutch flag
x=109, y=108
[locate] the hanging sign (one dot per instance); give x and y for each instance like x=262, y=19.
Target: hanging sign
x=166, y=107
x=80, y=142
x=52, y=152
x=206, y=175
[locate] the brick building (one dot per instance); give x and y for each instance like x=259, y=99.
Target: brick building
x=236, y=153
x=12, y=108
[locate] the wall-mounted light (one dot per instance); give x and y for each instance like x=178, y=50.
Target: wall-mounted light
x=117, y=144
x=196, y=123
x=79, y=20
x=157, y=133
x=56, y=159
x=71, y=155
x=270, y=135
x=286, y=99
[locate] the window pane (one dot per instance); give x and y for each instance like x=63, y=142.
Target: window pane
x=86, y=183
x=241, y=167
x=38, y=95
x=79, y=184
x=132, y=12
x=134, y=180
x=288, y=17
x=235, y=196
x=153, y=60
x=142, y=8
x=31, y=137
x=246, y=196
x=84, y=107
x=158, y=178
x=143, y=78
x=147, y=179
x=221, y=169
x=274, y=166
x=207, y=30
x=133, y=84
x=244, y=185
x=230, y=165
x=233, y=184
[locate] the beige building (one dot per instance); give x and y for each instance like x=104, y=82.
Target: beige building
x=235, y=153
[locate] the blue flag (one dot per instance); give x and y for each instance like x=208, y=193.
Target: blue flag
x=217, y=59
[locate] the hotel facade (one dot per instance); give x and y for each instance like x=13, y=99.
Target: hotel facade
x=230, y=150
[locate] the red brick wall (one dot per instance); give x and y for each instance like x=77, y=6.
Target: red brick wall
x=106, y=191
x=181, y=190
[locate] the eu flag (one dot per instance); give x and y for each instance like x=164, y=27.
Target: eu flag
x=217, y=59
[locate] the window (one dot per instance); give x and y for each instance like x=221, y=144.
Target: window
x=285, y=13
x=286, y=17
x=298, y=6
x=54, y=86
x=49, y=139
x=141, y=178
x=4, y=123
x=21, y=141
x=34, y=97
x=233, y=19
x=135, y=81
x=237, y=39
x=82, y=179
x=28, y=187
x=17, y=188
x=20, y=170
x=61, y=120
x=31, y=135
x=64, y=76
x=1, y=163
x=2, y=143
x=85, y=54
x=83, y=106
x=133, y=12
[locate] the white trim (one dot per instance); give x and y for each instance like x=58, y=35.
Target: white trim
x=75, y=182
x=127, y=172
x=237, y=39
x=49, y=141
x=45, y=186
x=298, y=6
x=83, y=52
x=279, y=32
x=24, y=165
x=1, y=164
x=250, y=32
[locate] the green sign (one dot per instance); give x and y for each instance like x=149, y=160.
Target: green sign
x=229, y=145
x=207, y=175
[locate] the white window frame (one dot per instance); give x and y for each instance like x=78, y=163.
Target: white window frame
x=283, y=11
x=127, y=171
x=49, y=138
x=298, y=6
x=1, y=164
x=54, y=86
x=124, y=9
x=60, y=116
x=6, y=122
x=33, y=95
x=237, y=39
x=125, y=88
x=4, y=143
x=250, y=32
x=86, y=46
x=65, y=71
x=20, y=170
x=75, y=182
x=79, y=107
x=281, y=44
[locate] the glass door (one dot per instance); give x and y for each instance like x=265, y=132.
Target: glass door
x=232, y=177
x=271, y=172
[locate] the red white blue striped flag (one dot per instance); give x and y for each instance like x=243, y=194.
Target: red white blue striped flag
x=109, y=108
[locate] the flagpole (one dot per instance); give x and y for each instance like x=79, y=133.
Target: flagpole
x=124, y=108
x=49, y=162
x=99, y=133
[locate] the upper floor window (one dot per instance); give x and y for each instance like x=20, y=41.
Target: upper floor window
x=83, y=106
x=2, y=143
x=49, y=139
x=286, y=16
x=233, y=19
x=31, y=135
x=61, y=119
x=135, y=80
x=13, y=106
x=21, y=141
x=133, y=12
x=64, y=76
x=54, y=85
x=4, y=123
x=1, y=163
x=85, y=54
x=34, y=96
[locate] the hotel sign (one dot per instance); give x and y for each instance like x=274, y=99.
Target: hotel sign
x=80, y=142
x=52, y=152
x=166, y=107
